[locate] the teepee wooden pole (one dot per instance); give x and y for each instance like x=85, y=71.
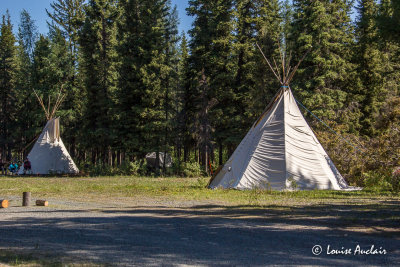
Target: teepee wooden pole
x=287, y=74
x=283, y=62
x=48, y=106
x=59, y=100
x=269, y=64
x=288, y=67
x=298, y=64
x=40, y=100
x=277, y=70
x=58, y=104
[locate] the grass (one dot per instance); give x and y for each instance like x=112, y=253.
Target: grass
x=174, y=189
x=22, y=259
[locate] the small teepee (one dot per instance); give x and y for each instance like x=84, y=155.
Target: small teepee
x=49, y=155
x=280, y=151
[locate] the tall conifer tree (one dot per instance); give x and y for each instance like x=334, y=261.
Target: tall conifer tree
x=142, y=71
x=26, y=102
x=370, y=64
x=67, y=17
x=98, y=46
x=7, y=87
x=323, y=79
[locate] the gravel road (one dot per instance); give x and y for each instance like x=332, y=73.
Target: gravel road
x=201, y=234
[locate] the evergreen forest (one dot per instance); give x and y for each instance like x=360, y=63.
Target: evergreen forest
x=134, y=84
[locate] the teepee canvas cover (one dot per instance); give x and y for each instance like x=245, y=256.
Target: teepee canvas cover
x=280, y=151
x=49, y=154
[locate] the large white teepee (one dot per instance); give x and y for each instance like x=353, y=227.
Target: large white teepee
x=49, y=154
x=280, y=152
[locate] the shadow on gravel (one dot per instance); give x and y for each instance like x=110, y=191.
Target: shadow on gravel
x=333, y=216
x=207, y=235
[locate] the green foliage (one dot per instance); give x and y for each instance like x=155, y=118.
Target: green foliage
x=191, y=169
x=382, y=180
x=292, y=184
x=325, y=79
x=375, y=180
x=132, y=88
x=8, y=99
x=98, y=65
x=371, y=65
x=135, y=168
x=143, y=70
x=395, y=181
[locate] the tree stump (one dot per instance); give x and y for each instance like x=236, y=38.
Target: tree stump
x=26, y=199
x=41, y=202
x=4, y=203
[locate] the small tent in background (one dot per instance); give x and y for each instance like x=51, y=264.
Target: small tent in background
x=49, y=154
x=151, y=160
x=280, y=151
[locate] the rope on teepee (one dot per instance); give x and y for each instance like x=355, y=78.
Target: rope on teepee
x=339, y=135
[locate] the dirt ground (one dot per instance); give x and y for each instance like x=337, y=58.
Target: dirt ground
x=125, y=232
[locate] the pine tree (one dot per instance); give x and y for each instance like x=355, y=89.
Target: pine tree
x=41, y=72
x=27, y=33
x=258, y=22
x=67, y=17
x=98, y=46
x=26, y=103
x=389, y=19
x=142, y=72
x=7, y=87
x=211, y=60
x=388, y=121
x=370, y=65
x=323, y=80
x=170, y=82
x=180, y=96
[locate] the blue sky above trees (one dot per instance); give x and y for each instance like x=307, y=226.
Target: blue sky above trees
x=37, y=9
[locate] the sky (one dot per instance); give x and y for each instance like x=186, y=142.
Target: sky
x=37, y=9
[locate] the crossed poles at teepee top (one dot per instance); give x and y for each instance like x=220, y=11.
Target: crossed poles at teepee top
x=48, y=111
x=287, y=76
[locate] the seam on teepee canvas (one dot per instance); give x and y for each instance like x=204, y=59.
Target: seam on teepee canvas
x=284, y=133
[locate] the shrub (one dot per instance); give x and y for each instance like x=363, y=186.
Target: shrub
x=395, y=180
x=130, y=168
x=191, y=169
x=376, y=180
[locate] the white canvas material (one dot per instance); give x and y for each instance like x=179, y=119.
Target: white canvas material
x=49, y=154
x=280, y=152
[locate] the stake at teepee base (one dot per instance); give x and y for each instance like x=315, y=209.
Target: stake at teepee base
x=49, y=154
x=280, y=151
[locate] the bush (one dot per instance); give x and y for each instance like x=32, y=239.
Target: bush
x=395, y=181
x=130, y=168
x=377, y=180
x=191, y=169
x=127, y=168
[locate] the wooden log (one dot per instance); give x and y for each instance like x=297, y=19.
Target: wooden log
x=4, y=203
x=42, y=202
x=26, y=198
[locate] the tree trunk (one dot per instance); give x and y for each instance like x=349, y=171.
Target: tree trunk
x=118, y=158
x=220, y=154
x=185, y=153
x=206, y=160
x=158, y=162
